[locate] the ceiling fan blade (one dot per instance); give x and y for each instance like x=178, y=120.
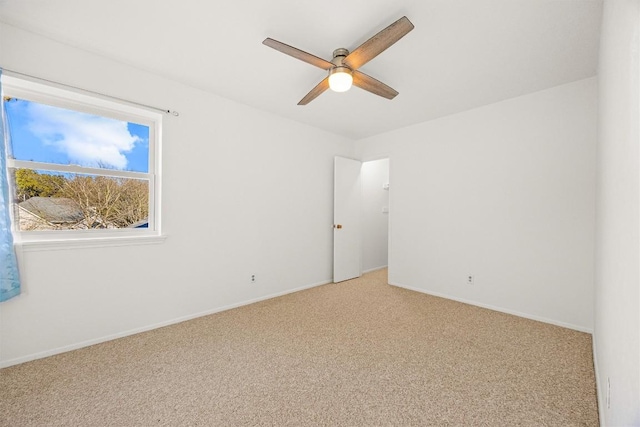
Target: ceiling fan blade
x=297, y=53
x=315, y=92
x=368, y=83
x=378, y=43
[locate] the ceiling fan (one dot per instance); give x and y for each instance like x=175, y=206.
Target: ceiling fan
x=343, y=68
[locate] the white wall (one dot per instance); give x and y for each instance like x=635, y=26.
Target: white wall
x=506, y=193
x=617, y=314
x=262, y=186
x=375, y=223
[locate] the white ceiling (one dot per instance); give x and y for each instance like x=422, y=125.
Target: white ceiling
x=462, y=53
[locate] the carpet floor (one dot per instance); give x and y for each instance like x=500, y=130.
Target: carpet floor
x=356, y=353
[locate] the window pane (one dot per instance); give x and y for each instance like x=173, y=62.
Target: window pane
x=56, y=201
x=44, y=133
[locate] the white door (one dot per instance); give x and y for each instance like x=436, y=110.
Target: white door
x=346, y=219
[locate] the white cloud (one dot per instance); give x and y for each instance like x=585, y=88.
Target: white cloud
x=86, y=139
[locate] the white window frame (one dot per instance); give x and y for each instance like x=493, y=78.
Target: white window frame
x=64, y=98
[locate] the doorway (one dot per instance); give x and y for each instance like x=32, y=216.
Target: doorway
x=375, y=214
x=361, y=217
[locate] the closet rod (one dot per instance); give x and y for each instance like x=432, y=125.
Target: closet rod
x=172, y=112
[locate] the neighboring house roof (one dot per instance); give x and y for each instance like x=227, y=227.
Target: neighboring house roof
x=56, y=210
x=143, y=223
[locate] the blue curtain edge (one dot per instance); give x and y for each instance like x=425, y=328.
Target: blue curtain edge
x=6, y=292
x=6, y=295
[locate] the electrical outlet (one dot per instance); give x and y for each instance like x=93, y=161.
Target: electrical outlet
x=469, y=280
x=253, y=278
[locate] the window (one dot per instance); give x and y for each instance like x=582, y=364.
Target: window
x=80, y=167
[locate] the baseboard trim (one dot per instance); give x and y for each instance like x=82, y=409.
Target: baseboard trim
x=87, y=343
x=495, y=308
x=374, y=269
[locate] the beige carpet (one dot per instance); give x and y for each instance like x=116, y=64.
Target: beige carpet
x=357, y=353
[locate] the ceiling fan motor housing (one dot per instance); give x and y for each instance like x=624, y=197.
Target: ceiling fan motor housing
x=338, y=56
x=340, y=67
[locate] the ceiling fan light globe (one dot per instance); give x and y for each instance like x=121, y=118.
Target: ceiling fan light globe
x=340, y=79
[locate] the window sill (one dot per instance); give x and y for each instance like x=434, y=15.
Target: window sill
x=93, y=242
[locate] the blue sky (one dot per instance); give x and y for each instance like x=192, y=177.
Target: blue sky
x=44, y=133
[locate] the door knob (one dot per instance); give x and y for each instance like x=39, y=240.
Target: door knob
x=337, y=226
